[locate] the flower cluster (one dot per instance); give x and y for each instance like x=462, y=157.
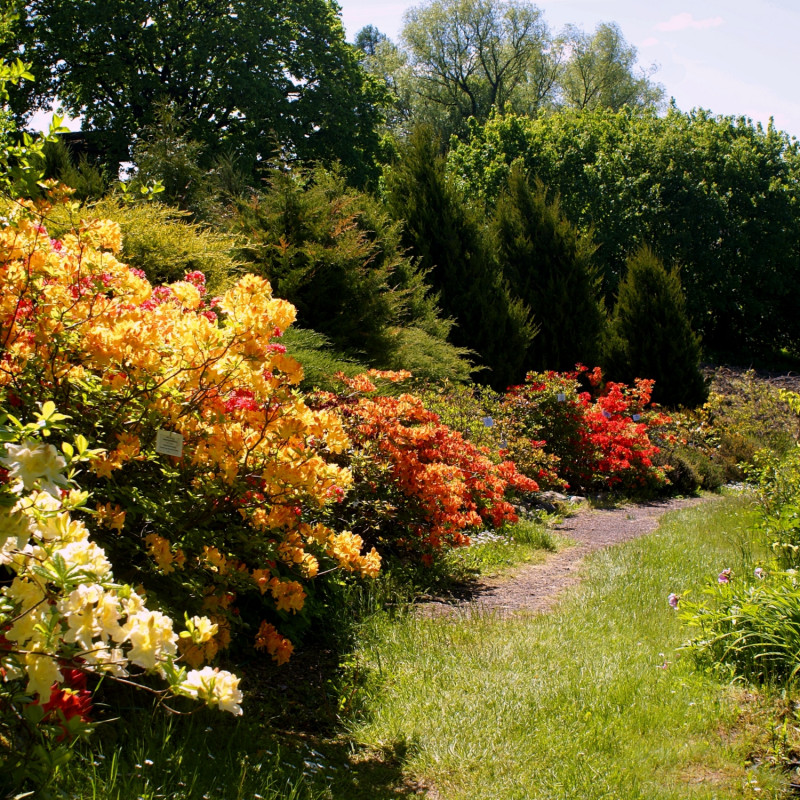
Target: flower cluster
x=418, y=484
x=213, y=463
x=62, y=614
x=600, y=432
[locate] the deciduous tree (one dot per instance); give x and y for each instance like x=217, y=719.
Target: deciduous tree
x=259, y=77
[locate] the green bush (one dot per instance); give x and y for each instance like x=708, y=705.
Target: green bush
x=743, y=415
x=649, y=335
x=334, y=253
x=161, y=241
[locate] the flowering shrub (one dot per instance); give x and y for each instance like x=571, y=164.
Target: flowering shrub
x=748, y=623
x=482, y=417
x=212, y=460
x=748, y=626
x=743, y=415
x=419, y=486
x=63, y=616
x=600, y=434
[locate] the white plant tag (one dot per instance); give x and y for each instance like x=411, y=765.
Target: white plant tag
x=562, y=398
x=488, y=422
x=169, y=443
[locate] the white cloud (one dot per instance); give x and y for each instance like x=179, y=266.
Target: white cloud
x=685, y=21
x=650, y=41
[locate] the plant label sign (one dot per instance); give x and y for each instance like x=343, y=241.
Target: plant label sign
x=561, y=398
x=169, y=443
x=488, y=422
x=636, y=417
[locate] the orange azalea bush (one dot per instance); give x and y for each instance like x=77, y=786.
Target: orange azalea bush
x=484, y=418
x=214, y=467
x=601, y=432
x=419, y=486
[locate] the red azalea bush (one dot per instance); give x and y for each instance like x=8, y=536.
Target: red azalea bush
x=418, y=485
x=599, y=431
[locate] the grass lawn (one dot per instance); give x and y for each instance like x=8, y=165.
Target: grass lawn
x=590, y=701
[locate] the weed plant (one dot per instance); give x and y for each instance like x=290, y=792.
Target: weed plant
x=747, y=624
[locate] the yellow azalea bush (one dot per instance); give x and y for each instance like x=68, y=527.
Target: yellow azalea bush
x=213, y=467
x=63, y=616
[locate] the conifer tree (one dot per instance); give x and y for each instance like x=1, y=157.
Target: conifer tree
x=548, y=265
x=650, y=336
x=336, y=255
x=445, y=233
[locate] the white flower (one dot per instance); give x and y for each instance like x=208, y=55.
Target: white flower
x=85, y=555
x=202, y=629
x=15, y=533
x=32, y=462
x=110, y=660
x=215, y=687
x=43, y=672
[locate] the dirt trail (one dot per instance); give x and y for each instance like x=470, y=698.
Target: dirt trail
x=536, y=587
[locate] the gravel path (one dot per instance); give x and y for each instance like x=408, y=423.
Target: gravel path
x=535, y=587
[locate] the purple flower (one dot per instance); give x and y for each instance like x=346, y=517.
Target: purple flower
x=724, y=576
x=673, y=600
x=760, y=574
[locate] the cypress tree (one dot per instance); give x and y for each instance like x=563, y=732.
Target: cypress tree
x=548, y=265
x=650, y=336
x=449, y=239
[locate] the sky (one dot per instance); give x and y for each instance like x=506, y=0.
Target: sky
x=728, y=56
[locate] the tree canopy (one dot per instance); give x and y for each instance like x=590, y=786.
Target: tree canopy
x=716, y=196
x=257, y=77
x=459, y=59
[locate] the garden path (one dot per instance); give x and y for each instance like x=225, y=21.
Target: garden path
x=534, y=588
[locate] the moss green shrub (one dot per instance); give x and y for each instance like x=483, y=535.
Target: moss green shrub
x=334, y=253
x=163, y=242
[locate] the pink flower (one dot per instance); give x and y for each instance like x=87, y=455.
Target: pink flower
x=673, y=600
x=724, y=576
x=760, y=574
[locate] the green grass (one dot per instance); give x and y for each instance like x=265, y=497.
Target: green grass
x=153, y=756
x=522, y=543
x=590, y=701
